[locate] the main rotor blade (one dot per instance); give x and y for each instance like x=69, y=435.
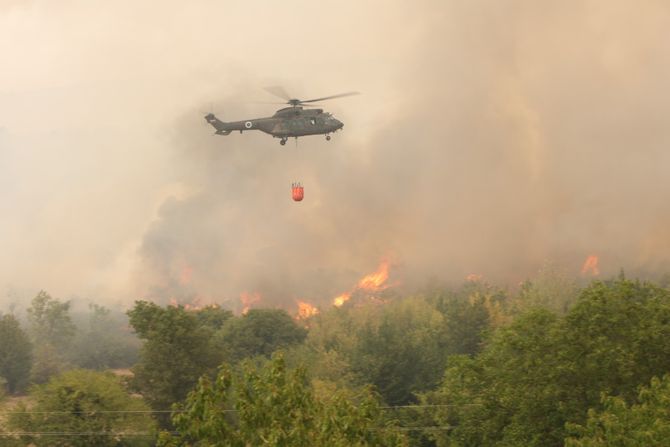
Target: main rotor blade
x=278, y=91
x=331, y=97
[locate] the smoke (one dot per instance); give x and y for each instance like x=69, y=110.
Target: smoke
x=490, y=137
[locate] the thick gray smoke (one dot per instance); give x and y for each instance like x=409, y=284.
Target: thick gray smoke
x=490, y=138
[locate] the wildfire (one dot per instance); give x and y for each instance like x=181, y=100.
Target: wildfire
x=340, y=300
x=590, y=266
x=474, y=277
x=305, y=310
x=373, y=282
x=249, y=299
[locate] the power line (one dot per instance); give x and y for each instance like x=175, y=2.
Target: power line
x=96, y=412
x=147, y=434
x=388, y=407
x=426, y=428
x=78, y=433
x=392, y=407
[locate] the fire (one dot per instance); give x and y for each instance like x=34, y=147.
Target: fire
x=373, y=282
x=249, y=299
x=305, y=310
x=590, y=266
x=474, y=277
x=340, y=300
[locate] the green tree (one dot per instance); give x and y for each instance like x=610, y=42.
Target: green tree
x=400, y=350
x=213, y=317
x=551, y=288
x=466, y=322
x=505, y=395
x=259, y=333
x=544, y=371
x=91, y=404
x=103, y=341
x=646, y=423
x=51, y=330
x=177, y=350
x=15, y=354
x=275, y=407
x=614, y=340
x=50, y=320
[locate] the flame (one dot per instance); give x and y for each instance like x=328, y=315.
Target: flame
x=249, y=299
x=373, y=282
x=305, y=310
x=474, y=277
x=340, y=300
x=590, y=266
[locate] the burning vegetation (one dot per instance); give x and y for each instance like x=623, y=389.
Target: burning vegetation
x=590, y=267
x=306, y=310
x=370, y=284
x=248, y=300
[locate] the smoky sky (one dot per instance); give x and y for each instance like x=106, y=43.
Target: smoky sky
x=489, y=138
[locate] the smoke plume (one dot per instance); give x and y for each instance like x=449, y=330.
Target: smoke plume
x=490, y=138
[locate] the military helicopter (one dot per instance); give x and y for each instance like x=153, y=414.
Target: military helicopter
x=293, y=121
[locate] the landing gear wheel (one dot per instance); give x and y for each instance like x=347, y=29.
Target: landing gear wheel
x=327, y=137
x=282, y=141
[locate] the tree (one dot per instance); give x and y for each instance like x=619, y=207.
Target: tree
x=103, y=342
x=504, y=395
x=50, y=320
x=213, y=317
x=51, y=330
x=466, y=322
x=92, y=404
x=646, y=423
x=15, y=354
x=259, y=333
x=551, y=289
x=177, y=350
x=399, y=351
x=274, y=407
x=544, y=371
x=615, y=339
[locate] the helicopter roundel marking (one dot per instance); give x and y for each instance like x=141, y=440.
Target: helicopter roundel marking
x=248, y=124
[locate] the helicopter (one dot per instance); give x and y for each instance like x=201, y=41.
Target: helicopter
x=296, y=120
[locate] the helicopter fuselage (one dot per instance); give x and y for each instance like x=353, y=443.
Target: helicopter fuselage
x=285, y=123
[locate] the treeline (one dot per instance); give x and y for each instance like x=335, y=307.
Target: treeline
x=555, y=363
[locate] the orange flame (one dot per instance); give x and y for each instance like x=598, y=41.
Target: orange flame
x=249, y=299
x=474, y=277
x=373, y=282
x=305, y=310
x=340, y=300
x=590, y=266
